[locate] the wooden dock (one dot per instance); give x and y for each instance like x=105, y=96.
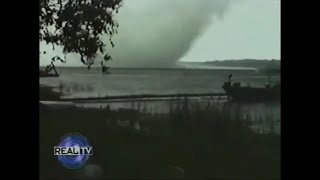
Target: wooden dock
x=143, y=97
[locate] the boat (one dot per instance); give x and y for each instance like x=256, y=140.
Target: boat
x=271, y=92
x=105, y=70
x=51, y=67
x=43, y=73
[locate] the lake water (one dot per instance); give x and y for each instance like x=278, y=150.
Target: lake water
x=80, y=82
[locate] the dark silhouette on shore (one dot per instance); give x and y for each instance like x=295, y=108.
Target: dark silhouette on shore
x=237, y=92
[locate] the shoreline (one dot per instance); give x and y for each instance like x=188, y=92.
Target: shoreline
x=198, y=140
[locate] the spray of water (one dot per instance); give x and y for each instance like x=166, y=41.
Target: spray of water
x=72, y=87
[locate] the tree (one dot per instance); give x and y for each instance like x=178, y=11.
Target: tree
x=77, y=25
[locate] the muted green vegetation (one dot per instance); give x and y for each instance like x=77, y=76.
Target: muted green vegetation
x=204, y=140
x=254, y=63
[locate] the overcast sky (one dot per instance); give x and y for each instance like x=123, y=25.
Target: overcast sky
x=160, y=32
x=250, y=29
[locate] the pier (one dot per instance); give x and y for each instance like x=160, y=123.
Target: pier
x=144, y=97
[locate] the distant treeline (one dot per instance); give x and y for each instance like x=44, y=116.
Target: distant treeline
x=254, y=63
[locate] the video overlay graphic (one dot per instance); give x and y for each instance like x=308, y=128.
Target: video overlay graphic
x=73, y=151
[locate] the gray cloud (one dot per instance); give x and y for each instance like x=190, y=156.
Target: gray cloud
x=162, y=31
x=157, y=32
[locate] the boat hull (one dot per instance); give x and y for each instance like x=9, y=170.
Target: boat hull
x=46, y=74
x=253, y=94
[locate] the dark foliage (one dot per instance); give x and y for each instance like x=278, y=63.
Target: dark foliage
x=204, y=141
x=77, y=25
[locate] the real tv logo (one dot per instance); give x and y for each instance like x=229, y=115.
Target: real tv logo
x=73, y=151
x=58, y=150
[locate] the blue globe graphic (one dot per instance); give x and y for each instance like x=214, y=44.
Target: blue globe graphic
x=73, y=161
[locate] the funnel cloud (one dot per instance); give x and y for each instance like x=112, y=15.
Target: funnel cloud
x=161, y=32
x=156, y=33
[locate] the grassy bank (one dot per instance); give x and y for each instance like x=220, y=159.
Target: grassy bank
x=204, y=141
